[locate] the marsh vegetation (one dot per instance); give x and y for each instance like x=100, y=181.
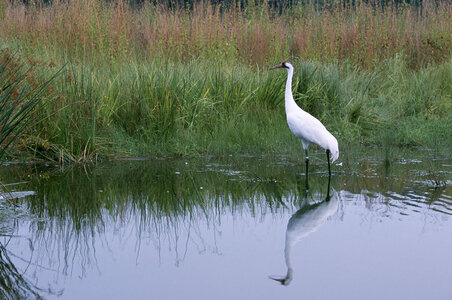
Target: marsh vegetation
x=151, y=80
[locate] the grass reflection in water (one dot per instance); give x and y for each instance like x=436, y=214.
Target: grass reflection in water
x=167, y=202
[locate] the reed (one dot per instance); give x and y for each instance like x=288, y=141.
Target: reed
x=20, y=94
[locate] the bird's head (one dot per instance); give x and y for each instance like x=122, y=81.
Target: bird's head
x=284, y=65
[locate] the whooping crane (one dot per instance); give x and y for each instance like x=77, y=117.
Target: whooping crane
x=306, y=127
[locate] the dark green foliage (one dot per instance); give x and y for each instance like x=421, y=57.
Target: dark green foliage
x=20, y=93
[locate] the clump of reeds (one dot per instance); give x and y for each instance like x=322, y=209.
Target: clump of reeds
x=20, y=93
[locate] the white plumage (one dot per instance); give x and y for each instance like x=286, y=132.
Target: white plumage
x=304, y=222
x=306, y=127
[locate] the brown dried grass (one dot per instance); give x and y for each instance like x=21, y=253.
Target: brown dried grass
x=364, y=35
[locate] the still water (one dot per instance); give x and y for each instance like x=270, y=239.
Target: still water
x=229, y=228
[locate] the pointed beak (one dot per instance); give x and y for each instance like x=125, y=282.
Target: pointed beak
x=276, y=67
x=283, y=281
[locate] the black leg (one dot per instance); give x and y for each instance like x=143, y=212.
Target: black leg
x=307, y=168
x=328, y=158
x=328, y=190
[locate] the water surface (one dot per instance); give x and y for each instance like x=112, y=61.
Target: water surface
x=238, y=227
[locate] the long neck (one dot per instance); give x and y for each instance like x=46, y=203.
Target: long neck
x=289, y=101
x=287, y=252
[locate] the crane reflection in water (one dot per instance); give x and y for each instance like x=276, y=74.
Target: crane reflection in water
x=303, y=222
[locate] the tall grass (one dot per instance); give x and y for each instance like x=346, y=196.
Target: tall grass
x=199, y=107
x=151, y=80
x=20, y=94
x=92, y=30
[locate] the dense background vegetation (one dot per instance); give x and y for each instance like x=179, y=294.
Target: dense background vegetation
x=154, y=79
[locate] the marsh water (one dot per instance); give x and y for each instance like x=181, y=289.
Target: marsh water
x=236, y=227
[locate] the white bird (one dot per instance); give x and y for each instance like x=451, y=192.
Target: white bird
x=306, y=127
x=305, y=221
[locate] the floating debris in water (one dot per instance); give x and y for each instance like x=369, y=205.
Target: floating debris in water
x=16, y=195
